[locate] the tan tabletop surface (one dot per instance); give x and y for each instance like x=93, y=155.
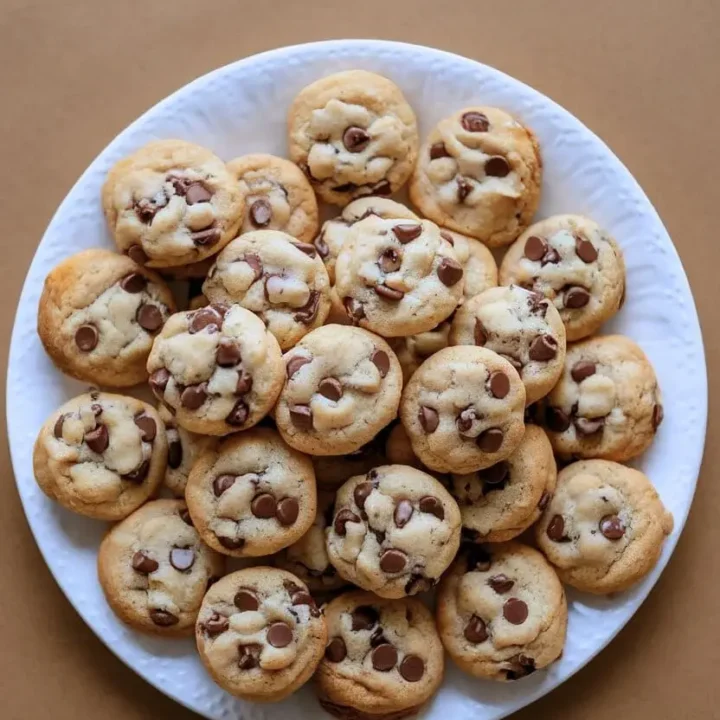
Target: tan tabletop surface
x=643, y=74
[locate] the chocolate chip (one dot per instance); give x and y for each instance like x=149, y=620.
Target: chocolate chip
x=501, y=583
x=58, y=428
x=227, y=353
x=521, y=667
x=480, y=333
x=243, y=386
x=97, y=439
x=497, y=166
x=556, y=419
x=295, y=363
x=390, y=260
x=216, y=624
x=149, y=317
x=384, y=657
x=231, y=543
x=556, y=529
x=465, y=419
x=255, y=265
x=499, y=384
x=364, y=618
x=146, y=209
x=361, y=493
x=438, y=150
x=193, y=396
x=355, y=139
x=589, y=426
x=431, y=505
x=302, y=597
x=450, y=272
x=543, y=348
x=412, y=668
x=612, y=527
x=464, y=188
x=206, y=238
x=301, y=416
x=279, y=635
x=288, y=510
x=197, y=193
x=308, y=312
x=182, y=559
x=475, y=121
x=658, y=415
x=163, y=618
x=583, y=369
x=393, y=561
x=389, y=293
x=139, y=473
x=585, y=249
x=147, y=426
x=331, y=388
x=515, y=611
x=428, y=418
x=86, y=337
x=476, y=630
x=204, y=317
x=137, y=254
x=576, y=297
x=407, y=232
x=336, y=651
x=263, y=506
x=321, y=245
x=144, y=564
x=354, y=309
x=551, y=257
x=306, y=248
x=249, y=656
x=159, y=380
x=246, y=600
x=184, y=514
x=342, y=519
x=491, y=440
x=381, y=361
x=222, y=483
x=535, y=248
x=403, y=512
x=133, y=283
x=261, y=213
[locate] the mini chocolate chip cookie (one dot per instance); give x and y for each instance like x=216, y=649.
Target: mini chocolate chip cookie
x=607, y=403
x=251, y=495
x=260, y=634
x=308, y=558
x=521, y=326
x=284, y=282
x=604, y=529
x=154, y=569
x=217, y=368
x=278, y=196
x=172, y=203
x=398, y=277
x=395, y=531
x=504, y=500
x=343, y=386
x=336, y=230
x=463, y=409
x=354, y=134
x=331, y=471
x=98, y=314
x=479, y=173
x=101, y=455
x=184, y=447
x=501, y=611
x=574, y=263
x=383, y=660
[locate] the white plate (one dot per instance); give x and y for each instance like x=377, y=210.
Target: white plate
x=241, y=108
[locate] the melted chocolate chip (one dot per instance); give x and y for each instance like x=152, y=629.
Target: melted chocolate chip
x=515, y=611
x=222, y=483
x=364, y=618
x=449, y=272
x=288, y=510
x=438, y=150
x=86, y=338
x=556, y=529
x=143, y=563
x=476, y=631
x=342, y=519
x=295, y=363
x=355, y=139
x=428, y=418
x=499, y=384
x=98, y=439
x=336, y=651
x=403, y=512
x=381, y=361
x=612, y=527
x=301, y=416
x=501, y=583
x=543, y=348
x=431, y=505
x=393, y=561
x=260, y=213
x=474, y=121
x=490, y=440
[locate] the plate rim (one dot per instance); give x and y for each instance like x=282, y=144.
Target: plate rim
x=364, y=44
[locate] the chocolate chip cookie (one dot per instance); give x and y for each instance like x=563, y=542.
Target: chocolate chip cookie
x=463, y=409
x=354, y=134
x=607, y=403
x=260, y=634
x=101, y=455
x=479, y=173
x=217, y=368
x=521, y=326
x=343, y=386
x=398, y=277
x=278, y=196
x=171, y=203
x=383, y=660
x=283, y=281
x=251, y=495
x=98, y=315
x=154, y=569
x=604, y=528
x=574, y=263
x=395, y=531
x=504, y=500
x=501, y=611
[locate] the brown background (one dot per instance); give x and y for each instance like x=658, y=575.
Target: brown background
x=642, y=74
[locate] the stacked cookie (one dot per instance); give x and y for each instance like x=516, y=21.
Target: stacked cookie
x=358, y=404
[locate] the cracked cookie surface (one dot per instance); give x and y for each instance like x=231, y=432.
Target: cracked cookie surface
x=101, y=455
x=394, y=532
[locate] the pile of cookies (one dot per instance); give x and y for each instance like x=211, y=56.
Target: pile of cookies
x=358, y=404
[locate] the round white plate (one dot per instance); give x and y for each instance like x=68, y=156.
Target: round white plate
x=241, y=108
